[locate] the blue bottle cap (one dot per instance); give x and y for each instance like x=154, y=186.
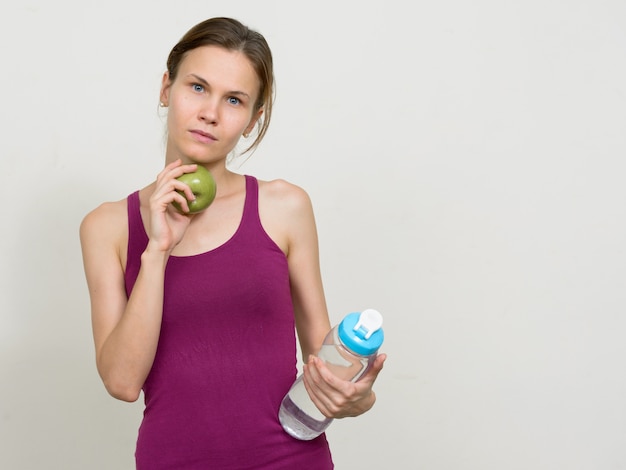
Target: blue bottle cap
x=362, y=332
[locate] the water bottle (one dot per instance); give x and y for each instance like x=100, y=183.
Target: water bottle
x=349, y=350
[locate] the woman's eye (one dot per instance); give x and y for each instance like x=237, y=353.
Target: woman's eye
x=233, y=100
x=197, y=87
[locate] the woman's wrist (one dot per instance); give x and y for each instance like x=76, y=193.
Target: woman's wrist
x=153, y=255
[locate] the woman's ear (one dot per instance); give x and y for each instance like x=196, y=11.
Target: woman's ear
x=253, y=122
x=165, y=89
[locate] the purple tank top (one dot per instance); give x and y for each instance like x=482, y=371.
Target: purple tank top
x=226, y=356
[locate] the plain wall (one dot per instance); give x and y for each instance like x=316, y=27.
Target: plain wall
x=466, y=165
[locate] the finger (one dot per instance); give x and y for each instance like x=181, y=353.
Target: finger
x=323, y=382
x=175, y=169
x=345, y=398
x=317, y=396
x=323, y=378
x=170, y=189
x=167, y=193
x=185, y=189
x=338, y=396
x=182, y=203
x=174, y=173
x=187, y=168
x=169, y=167
x=311, y=372
x=371, y=375
x=330, y=381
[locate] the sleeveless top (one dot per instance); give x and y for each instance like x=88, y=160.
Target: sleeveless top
x=226, y=356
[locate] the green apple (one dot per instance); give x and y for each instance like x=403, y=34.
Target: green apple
x=203, y=187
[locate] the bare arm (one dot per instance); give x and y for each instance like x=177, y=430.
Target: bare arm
x=334, y=397
x=287, y=215
x=126, y=331
x=311, y=312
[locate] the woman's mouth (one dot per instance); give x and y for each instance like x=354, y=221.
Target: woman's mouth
x=202, y=136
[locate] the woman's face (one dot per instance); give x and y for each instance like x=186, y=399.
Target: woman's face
x=211, y=104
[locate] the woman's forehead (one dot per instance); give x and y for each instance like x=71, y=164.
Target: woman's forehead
x=221, y=67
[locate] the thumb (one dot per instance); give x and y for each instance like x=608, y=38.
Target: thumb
x=377, y=366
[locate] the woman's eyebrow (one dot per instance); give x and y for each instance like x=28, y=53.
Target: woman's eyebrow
x=202, y=81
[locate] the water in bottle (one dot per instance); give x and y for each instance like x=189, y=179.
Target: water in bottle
x=349, y=350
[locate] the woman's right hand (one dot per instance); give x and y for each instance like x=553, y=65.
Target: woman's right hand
x=167, y=225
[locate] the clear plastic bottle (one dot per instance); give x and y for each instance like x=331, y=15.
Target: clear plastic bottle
x=348, y=351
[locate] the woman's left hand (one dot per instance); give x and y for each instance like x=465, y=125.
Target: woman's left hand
x=337, y=398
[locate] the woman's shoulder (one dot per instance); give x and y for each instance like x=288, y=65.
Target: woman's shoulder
x=286, y=212
x=107, y=220
x=284, y=194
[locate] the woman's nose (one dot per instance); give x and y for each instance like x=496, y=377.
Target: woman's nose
x=209, y=111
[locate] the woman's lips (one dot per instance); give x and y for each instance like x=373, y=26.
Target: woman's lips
x=202, y=136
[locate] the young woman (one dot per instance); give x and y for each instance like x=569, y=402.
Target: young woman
x=200, y=311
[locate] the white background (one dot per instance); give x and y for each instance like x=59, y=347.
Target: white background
x=466, y=164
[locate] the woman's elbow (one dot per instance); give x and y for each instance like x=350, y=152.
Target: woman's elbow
x=121, y=390
x=127, y=394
